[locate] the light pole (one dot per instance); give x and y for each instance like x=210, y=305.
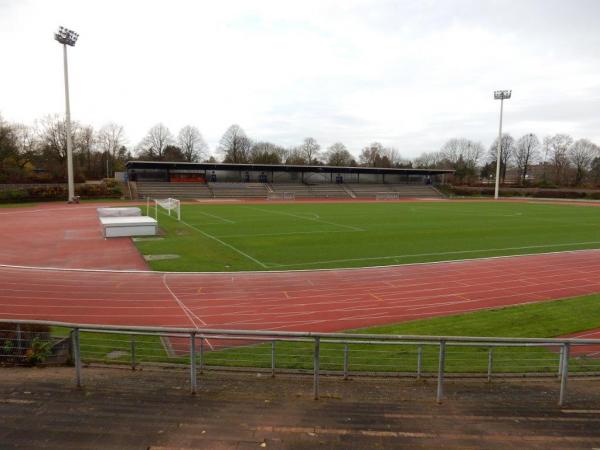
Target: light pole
x=499, y=95
x=68, y=37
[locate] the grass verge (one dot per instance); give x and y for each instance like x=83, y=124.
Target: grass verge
x=546, y=319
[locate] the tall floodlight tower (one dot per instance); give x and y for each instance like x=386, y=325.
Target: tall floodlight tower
x=499, y=95
x=68, y=37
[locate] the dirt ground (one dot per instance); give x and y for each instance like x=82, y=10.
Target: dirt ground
x=153, y=409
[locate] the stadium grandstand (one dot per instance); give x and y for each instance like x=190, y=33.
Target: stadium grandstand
x=261, y=181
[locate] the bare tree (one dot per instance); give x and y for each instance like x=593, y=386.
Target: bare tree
x=8, y=149
x=507, y=149
x=235, y=145
x=526, y=153
x=557, y=148
x=372, y=155
x=310, y=149
x=581, y=154
x=85, y=147
x=110, y=139
x=462, y=155
x=338, y=155
x=266, y=153
x=192, y=144
x=295, y=157
x=154, y=143
x=456, y=148
x=393, y=155
x=429, y=160
x=27, y=144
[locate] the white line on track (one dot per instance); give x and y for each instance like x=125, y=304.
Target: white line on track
x=243, y=273
x=457, y=252
x=190, y=314
x=350, y=227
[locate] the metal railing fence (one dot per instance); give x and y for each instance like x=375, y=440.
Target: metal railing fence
x=338, y=354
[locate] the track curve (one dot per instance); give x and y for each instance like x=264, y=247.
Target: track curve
x=117, y=288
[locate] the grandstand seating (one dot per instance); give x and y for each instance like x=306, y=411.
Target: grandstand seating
x=261, y=190
x=175, y=190
x=312, y=191
x=404, y=190
x=238, y=190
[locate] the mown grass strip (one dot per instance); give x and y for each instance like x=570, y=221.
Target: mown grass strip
x=545, y=319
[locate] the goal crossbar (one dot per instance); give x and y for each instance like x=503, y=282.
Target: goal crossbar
x=169, y=204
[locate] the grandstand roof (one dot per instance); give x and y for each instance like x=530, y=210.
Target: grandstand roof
x=172, y=165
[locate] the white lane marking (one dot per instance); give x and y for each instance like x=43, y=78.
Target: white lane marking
x=18, y=267
x=189, y=313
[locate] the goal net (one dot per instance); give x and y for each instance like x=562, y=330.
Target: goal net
x=387, y=195
x=171, y=205
x=281, y=196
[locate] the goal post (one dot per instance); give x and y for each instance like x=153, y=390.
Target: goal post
x=387, y=195
x=281, y=196
x=169, y=204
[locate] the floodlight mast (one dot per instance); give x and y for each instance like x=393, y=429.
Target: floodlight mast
x=68, y=37
x=499, y=95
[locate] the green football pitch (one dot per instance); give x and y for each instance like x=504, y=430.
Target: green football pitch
x=294, y=236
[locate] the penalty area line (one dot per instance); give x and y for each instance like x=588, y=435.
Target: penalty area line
x=223, y=243
x=214, y=216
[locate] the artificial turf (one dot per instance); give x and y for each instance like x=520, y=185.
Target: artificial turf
x=328, y=235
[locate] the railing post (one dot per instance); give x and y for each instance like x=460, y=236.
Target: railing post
x=76, y=355
x=346, y=357
x=316, y=362
x=19, y=339
x=272, y=358
x=442, y=362
x=490, y=363
x=193, y=380
x=201, y=354
x=419, y=361
x=565, y=374
x=132, y=352
x=560, y=361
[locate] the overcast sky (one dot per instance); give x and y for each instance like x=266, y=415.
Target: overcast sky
x=409, y=74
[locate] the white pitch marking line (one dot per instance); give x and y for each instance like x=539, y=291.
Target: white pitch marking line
x=214, y=216
x=350, y=227
x=440, y=253
x=290, y=233
x=235, y=249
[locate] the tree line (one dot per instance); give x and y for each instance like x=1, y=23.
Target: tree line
x=556, y=160
x=40, y=151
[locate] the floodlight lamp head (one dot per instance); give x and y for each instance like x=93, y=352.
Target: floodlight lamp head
x=502, y=95
x=66, y=36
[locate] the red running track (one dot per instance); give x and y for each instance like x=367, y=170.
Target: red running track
x=309, y=301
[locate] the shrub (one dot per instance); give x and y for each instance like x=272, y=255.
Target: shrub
x=60, y=192
x=29, y=344
x=38, y=352
x=468, y=191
